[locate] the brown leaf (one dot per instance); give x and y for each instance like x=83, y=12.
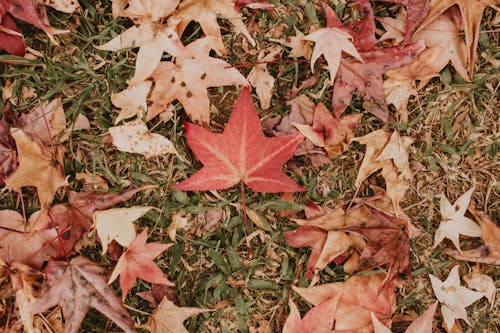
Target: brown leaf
x=360, y=296
x=169, y=318
x=261, y=80
x=77, y=287
x=489, y=253
x=36, y=168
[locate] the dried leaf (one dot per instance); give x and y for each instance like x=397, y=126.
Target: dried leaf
x=319, y=319
x=132, y=101
x=261, y=80
x=482, y=283
x=422, y=324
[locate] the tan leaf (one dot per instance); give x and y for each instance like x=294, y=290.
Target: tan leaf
x=134, y=137
x=482, y=283
x=318, y=320
x=66, y=6
x=360, y=297
x=394, y=27
x=117, y=224
x=132, y=101
x=454, y=222
x=179, y=221
x=169, y=318
x=261, y=80
x=422, y=324
x=453, y=297
x=35, y=169
x=300, y=46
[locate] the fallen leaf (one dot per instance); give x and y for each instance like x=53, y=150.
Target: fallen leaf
x=205, y=12
x=454, y=222
x=36, y=168
x=359, y=298
x=299, y=46
x=489, y=253
x=318, y=320
x=73, y=219
x=137, y=262
x=386, y=244
x=179, y=221
x=65, y=6
x=482, y=283
x=453, y=297
x=187, y=81
x=169, y=318
x=132, y=101
x=331, y=42
x=153, y=39
x=471, y=12
x=240, y=154
x=117, y=224
x=157, y=293
x=261, y=80
x=77, y=287
x=394, y=27
x=422, y=324
x=145, y=10
x=11, y=40
x=8, y=156
x=417, y=11
x=134, y=137
x=91, y=182
x=330, y=132
x=389, y=152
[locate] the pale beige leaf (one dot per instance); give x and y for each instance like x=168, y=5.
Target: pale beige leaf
x=132, y=101
x=179, y=221
x=169, y=318
x=453, y=297
x=482, y=283
x=454, y=222
x=300, y=46
x=117, y=224
x=66, y=6
x=134, y=137
x=260, y=78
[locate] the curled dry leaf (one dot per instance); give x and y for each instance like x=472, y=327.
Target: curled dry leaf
x=454, y=297
x=187, y=81
x=454, y=222
x=261, y=80
x=330, y=132
x=299, y=46
x=132, y=101
x=318, y=320
x=482, y=283
x=179, y=221
x=240, y=154
x=169, y=318
x=417, y=11
x=117, y=224
x=137, y=262
x=134, y=137
x=359, y=298
x=77, y=287
x=36, y=168
x=489, y=253
x=389, y=152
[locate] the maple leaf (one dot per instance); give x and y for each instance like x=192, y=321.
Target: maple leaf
x=240, y=153
x=145, y=10
x=117, y=224
x=330, y=42
x=205, y=12
x=319, y=319
x=132, y=101
x=187, y=81
x=471, y=12
x=299, y=46
x=394, y=27
x=389, y=152
x=365, y=79
x=78, y=286
x=65, y=6
x=8, y=156
x=134, y=137
x=153, y=39
x=422, y=324
x=417, y=11
x=260, y=78
x=386, y=243
x=359, y=298
x=489, y=253
x=482, y=283
x=74, y=218
x=23, y=243
x=36, y=168
x=11, y=39
x=454, y=297
x=168, y=317
x=137, y=262
x=454, y=222
x=332, y=133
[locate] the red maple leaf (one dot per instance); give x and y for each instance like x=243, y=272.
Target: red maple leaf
x=137, y=262
x=240, y=153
